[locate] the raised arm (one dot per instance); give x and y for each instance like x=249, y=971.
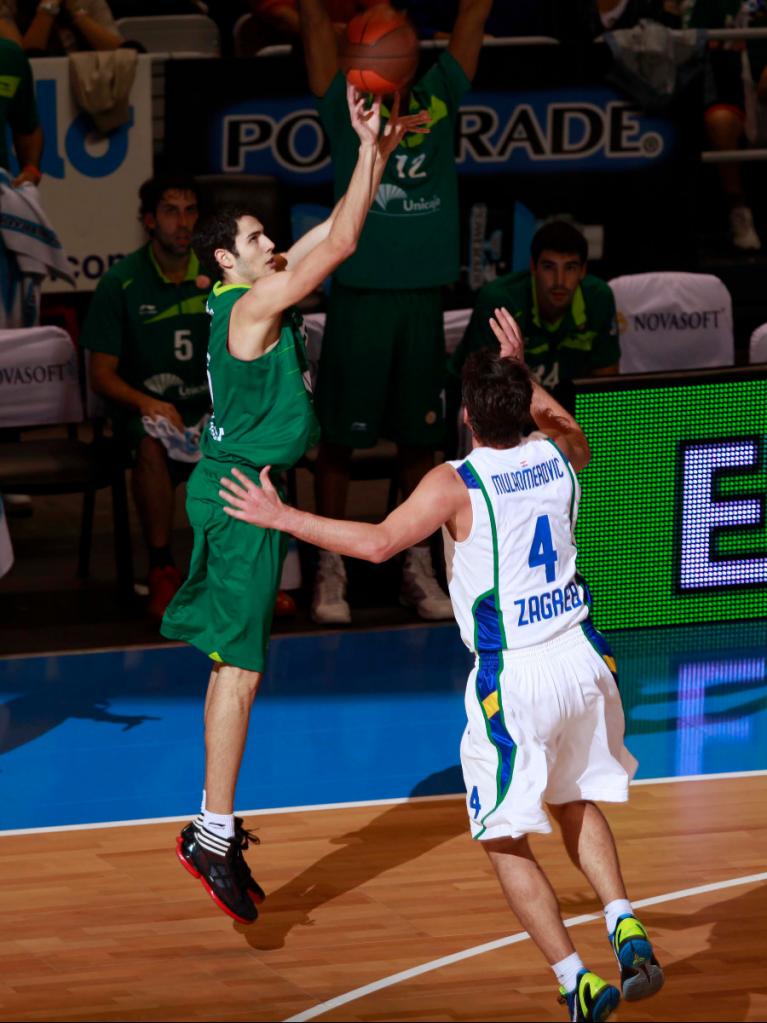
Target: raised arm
x=394, y=130
x=548, y=415
x=320, y=46
x=271, y=295
x=440, y=497
x=100, y=33
x=468, y=33
x=29, y=152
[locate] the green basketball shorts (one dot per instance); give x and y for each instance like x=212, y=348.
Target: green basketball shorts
x=382, y=367
x=226, y=604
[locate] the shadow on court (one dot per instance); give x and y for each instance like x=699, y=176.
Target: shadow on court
x=25, y=718
x=710, y=958
x=386, y=842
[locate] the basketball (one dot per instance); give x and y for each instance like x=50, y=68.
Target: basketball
x=379, y=50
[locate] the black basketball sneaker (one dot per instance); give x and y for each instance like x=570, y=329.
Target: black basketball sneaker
x=221, y=867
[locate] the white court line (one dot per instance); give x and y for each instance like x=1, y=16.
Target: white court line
x=491, y=946
x=140, y=822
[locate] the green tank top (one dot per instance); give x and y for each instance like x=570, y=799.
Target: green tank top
x=262, y=409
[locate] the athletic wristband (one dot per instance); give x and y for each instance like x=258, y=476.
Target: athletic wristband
x=32, y=172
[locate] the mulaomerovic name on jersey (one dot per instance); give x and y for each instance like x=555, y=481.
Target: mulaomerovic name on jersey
x=548, y=604
x=528, y=478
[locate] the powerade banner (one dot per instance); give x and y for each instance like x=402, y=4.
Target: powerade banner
x=673, y=521
x=541, y=133
x=530, y=133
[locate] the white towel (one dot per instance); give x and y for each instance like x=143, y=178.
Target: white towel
x=32, y=252
x=27, y=232
x=183, y=447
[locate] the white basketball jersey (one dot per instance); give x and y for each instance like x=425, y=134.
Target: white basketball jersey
x=513, y=581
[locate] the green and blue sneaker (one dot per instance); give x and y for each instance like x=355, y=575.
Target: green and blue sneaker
x=641, y=974
x=592, y=1000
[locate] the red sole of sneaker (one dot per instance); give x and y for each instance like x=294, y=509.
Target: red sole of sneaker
x=195, y=873
x=257, y=897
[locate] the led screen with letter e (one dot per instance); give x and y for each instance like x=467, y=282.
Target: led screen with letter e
x=673, y=518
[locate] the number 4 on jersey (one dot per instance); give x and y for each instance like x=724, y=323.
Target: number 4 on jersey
x=542, y=550
x=474, y=802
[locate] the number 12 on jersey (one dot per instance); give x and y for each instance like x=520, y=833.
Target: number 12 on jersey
x=542, y=550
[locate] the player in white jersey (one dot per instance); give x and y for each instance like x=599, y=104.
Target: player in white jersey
x=545, y=722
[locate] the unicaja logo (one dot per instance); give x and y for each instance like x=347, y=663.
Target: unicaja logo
x=386, y=193
x=161, y=383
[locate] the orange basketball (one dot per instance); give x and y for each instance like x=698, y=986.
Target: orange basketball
x=379, y=51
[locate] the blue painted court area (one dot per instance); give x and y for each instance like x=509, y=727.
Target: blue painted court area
x=340, y=717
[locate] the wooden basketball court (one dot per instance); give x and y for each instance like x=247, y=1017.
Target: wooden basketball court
x=104, y=924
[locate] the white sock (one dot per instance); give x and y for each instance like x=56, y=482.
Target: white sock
x=221, y=824
x=614, y=909
x=567, y=971
x=202, y=804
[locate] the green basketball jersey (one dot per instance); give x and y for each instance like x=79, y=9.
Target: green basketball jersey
x=262, y=409
x=584, y=339
x=17, y=95
x=411, y=234
x=156, y=328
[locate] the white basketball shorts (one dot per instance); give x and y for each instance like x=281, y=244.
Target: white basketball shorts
x=545, y=725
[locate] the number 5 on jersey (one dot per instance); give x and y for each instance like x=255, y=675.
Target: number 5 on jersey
x=183, y=348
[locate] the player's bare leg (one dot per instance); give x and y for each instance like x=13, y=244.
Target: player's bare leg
x=228, y=702
x=531, y=897
x=331, y=485
x=211, y=846
x=153, y=492
x=591, y=846
x=331, y=489
x=412, y=465
x=420, y=588
x=154, y=497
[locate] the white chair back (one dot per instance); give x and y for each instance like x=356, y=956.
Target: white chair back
x=757, y=349
x=174, y=33
x=39, y=378
x=673, y=320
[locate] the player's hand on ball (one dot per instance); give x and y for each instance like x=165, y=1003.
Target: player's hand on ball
x=506, y=329
x=261, y=506
x=397, y=127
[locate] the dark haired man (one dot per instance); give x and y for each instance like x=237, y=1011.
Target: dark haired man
x=567, y=317
x=147, y=330
x=546, y=725
x=262, y=414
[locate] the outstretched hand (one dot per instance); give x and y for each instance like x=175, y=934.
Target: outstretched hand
x=366, y=121
x=506, y=329
x=261, y=506
x=397, y=127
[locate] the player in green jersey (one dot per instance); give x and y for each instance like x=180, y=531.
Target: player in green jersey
x=567, y=317
x=382, y=364
x=262, y=415
x=147, y=331
x=18, y=110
